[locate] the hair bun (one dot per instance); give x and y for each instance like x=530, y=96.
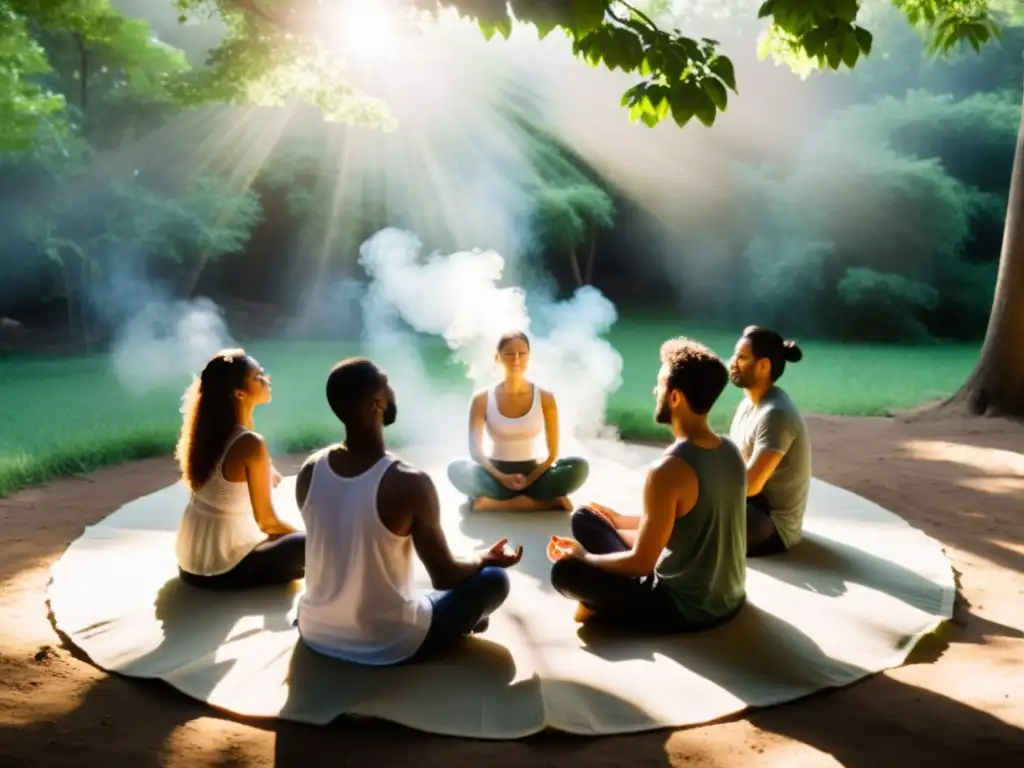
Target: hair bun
x=793, y=353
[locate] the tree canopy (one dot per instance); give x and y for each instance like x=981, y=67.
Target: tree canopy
x=274, y=49
x=680, y=77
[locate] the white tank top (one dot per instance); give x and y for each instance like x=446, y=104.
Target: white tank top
x=360, y=603
x=218, y=528
x=514, y=439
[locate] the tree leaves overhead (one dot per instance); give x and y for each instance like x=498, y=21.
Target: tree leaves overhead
x=273, y=50
x=686, y=78
x=24, y=102
x=679, y=76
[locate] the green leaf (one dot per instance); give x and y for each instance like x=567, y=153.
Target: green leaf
x=766, y=9
x=833, y=52
x=689, y=100
x=587, y=15
x=864, y=39
x=622, y=49
x=845, y=10
x=633, y=95
x=716, y=92
x=674, y=63
x=650, y=119
x=707, y=115
x=544, y=28
x=850, y=50
x=723, y=69
x=814, y=42
x=681, y=106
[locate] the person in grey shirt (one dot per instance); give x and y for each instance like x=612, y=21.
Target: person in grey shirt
x=772, y=436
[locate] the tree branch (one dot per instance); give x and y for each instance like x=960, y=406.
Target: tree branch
x=643, y=16
x=253, y=8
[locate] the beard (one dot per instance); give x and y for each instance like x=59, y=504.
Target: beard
x=662, y=413
x=738, y=379
x=390, y=413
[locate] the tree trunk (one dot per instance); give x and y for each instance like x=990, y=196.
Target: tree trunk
x=996, y=386
x=192, y=279
x=574, y=264
x=83, y=305
x=83, y=73
x=588, y=269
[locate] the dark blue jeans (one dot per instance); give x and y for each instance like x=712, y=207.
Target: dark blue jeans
x=462, y=610
x=278, y=561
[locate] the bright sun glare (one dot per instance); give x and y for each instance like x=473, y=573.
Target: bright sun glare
x=365, y=29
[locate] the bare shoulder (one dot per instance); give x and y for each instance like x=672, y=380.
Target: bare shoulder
x=673, y=482
x=306, y=470
x=250, y=445
x=671, y=469
x=547, y=398
x=407, y=481
x=304, y=477
x=479, y=398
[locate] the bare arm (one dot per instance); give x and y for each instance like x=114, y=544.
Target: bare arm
x=258, y=476
x=550, y=409
x=304, y=478
x=671, y=488
x=428, y=537
x=477, y=414
x=760, y=468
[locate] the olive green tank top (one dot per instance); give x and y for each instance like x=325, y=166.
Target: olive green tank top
x=704, y=567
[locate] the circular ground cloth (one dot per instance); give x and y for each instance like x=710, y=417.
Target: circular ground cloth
x=851, y=600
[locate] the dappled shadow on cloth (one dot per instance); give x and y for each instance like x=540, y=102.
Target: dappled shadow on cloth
x=773, y=656
x=883, y=721
x=826, y=614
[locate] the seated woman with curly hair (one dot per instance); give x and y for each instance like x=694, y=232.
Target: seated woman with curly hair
x=230, y=537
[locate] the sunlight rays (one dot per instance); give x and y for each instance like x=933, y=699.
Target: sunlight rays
x=368, y=31
x=456, y=169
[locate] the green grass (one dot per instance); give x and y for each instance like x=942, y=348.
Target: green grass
x=69, y=415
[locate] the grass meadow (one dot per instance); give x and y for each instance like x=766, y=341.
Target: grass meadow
x=66, y=415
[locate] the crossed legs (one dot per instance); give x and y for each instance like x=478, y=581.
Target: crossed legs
x=634, y=603
x=277, y=561
x=550, y=490
x=462, y=610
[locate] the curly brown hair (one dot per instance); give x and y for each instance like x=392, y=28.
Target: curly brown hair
x=208, y=415
x=696, y=371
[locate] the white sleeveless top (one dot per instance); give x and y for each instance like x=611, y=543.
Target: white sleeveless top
x=360, y=603
x=514, y=439
x=218, y=528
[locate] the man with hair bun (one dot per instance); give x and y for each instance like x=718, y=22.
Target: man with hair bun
x=773, y=438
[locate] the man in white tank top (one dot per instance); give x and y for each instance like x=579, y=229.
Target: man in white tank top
x=365, y=512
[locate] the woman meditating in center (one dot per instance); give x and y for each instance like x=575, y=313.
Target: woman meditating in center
x=230, y=536
x=514, y=414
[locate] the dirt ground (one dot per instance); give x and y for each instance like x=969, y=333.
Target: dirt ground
x=960, y=697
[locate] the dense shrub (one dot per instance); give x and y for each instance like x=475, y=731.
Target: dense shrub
x=879, y=306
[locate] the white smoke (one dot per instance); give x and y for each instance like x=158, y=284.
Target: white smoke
x=167, y=341
x=457, y=297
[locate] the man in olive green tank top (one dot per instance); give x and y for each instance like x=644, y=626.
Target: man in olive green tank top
x=680, y=565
